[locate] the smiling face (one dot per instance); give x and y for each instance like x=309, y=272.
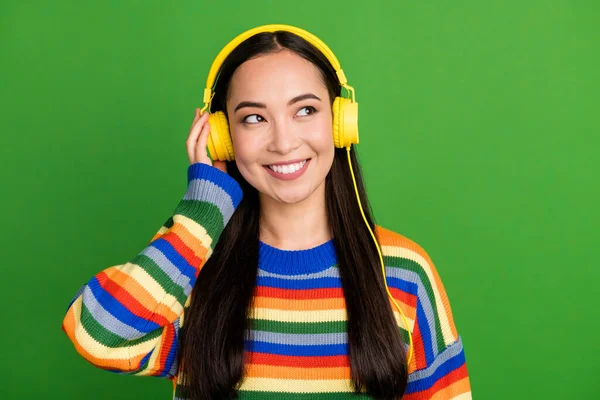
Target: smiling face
x=280, y=118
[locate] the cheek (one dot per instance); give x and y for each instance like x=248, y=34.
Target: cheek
x=323, y=141
x=247, y=153
x=246, y=150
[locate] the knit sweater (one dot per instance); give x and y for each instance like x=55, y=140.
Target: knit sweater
x=126, y=319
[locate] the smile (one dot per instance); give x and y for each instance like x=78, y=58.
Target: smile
x=288, y=171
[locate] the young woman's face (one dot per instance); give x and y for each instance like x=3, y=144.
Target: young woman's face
x=280, y=116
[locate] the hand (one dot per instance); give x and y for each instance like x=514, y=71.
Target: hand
x=196, y=142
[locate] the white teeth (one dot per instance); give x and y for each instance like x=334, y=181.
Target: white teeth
x=287, y=169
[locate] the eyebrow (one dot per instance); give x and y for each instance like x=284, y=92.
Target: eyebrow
x=263, y=105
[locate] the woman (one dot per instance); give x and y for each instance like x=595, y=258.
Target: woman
x=288, y=300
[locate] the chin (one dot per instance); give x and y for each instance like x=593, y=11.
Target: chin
x=291, y=195
x=290, y=199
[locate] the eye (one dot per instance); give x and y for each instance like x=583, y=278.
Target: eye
x=258, y=119
x=311, y=108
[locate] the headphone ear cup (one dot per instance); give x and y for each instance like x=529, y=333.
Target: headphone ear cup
x=219, y=141
x=345, y=122
x=336, y=121
x=348, y=122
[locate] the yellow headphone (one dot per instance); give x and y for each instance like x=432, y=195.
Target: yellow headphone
x=345, y=111
x=345, y=121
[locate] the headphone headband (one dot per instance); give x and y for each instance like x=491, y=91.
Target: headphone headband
x=309, y=37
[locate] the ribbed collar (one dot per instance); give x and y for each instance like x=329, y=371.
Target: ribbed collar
x=295, y=262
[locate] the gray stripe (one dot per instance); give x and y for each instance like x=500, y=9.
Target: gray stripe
x=422, y=298
x=452, y=350
x=303, y=339
x=204, y=190
x=168, y=268
x=331, y=272
x=105, y=319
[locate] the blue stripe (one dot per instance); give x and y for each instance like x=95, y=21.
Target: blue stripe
x=145, y=359
x=222, y=179
x=425, y=334
x=170, y=357
x=118, y=310
x=177, y=259
x=317, y=283
x=405, y=286
x=296, y=350
x=443, y=370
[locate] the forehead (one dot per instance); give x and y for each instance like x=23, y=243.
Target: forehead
x=275, y=76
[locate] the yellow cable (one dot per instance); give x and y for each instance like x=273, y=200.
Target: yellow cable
x=410, y=351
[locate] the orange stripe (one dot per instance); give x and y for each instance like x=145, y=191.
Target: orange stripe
x=164, y=346
x=299, y=305
x=177, y=238
x=279, y=372
x=139, y=292
x=409, y=311
x=458, y=387
x=194, y=247
x=442, y=385
x=418, y=360
x=390, y=238
x=387, y=237
x=69, y=325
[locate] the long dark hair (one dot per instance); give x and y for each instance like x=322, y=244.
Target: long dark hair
x=213, y=333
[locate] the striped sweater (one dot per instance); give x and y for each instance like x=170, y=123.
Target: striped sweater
x=126, y=318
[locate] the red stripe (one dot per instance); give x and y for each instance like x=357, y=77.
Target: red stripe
x=326, y=293
x=168, y=336
x=182, y=249
x=406, y=298
x=128, y=301
x=418, y=348
x=297, y=361
x=442, y=383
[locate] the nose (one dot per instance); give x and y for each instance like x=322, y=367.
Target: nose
x=284, y=139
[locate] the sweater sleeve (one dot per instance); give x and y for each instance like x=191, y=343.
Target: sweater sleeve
x=439, y=369
x=126, y=318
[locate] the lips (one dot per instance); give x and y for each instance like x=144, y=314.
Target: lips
x=297, y=160
x=289, y=175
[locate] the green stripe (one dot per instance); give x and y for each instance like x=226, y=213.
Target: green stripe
x=308, y=327
x=204, y=213
x=410, y=265
x=298, y=327
x=172, y=288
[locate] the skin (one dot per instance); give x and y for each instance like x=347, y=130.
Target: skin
x=293, y=213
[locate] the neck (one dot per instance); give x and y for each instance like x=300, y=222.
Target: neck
x=297, y=226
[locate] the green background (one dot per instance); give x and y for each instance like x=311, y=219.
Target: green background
x=479, y=140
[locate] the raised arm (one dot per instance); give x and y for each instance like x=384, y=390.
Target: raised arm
x=126, y=317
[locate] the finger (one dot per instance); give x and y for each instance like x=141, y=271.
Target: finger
x=193, y=137
x=195, y=128
x=201, y=152
x=196, y=117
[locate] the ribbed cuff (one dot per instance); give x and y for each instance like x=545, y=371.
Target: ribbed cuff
x=222, y=179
